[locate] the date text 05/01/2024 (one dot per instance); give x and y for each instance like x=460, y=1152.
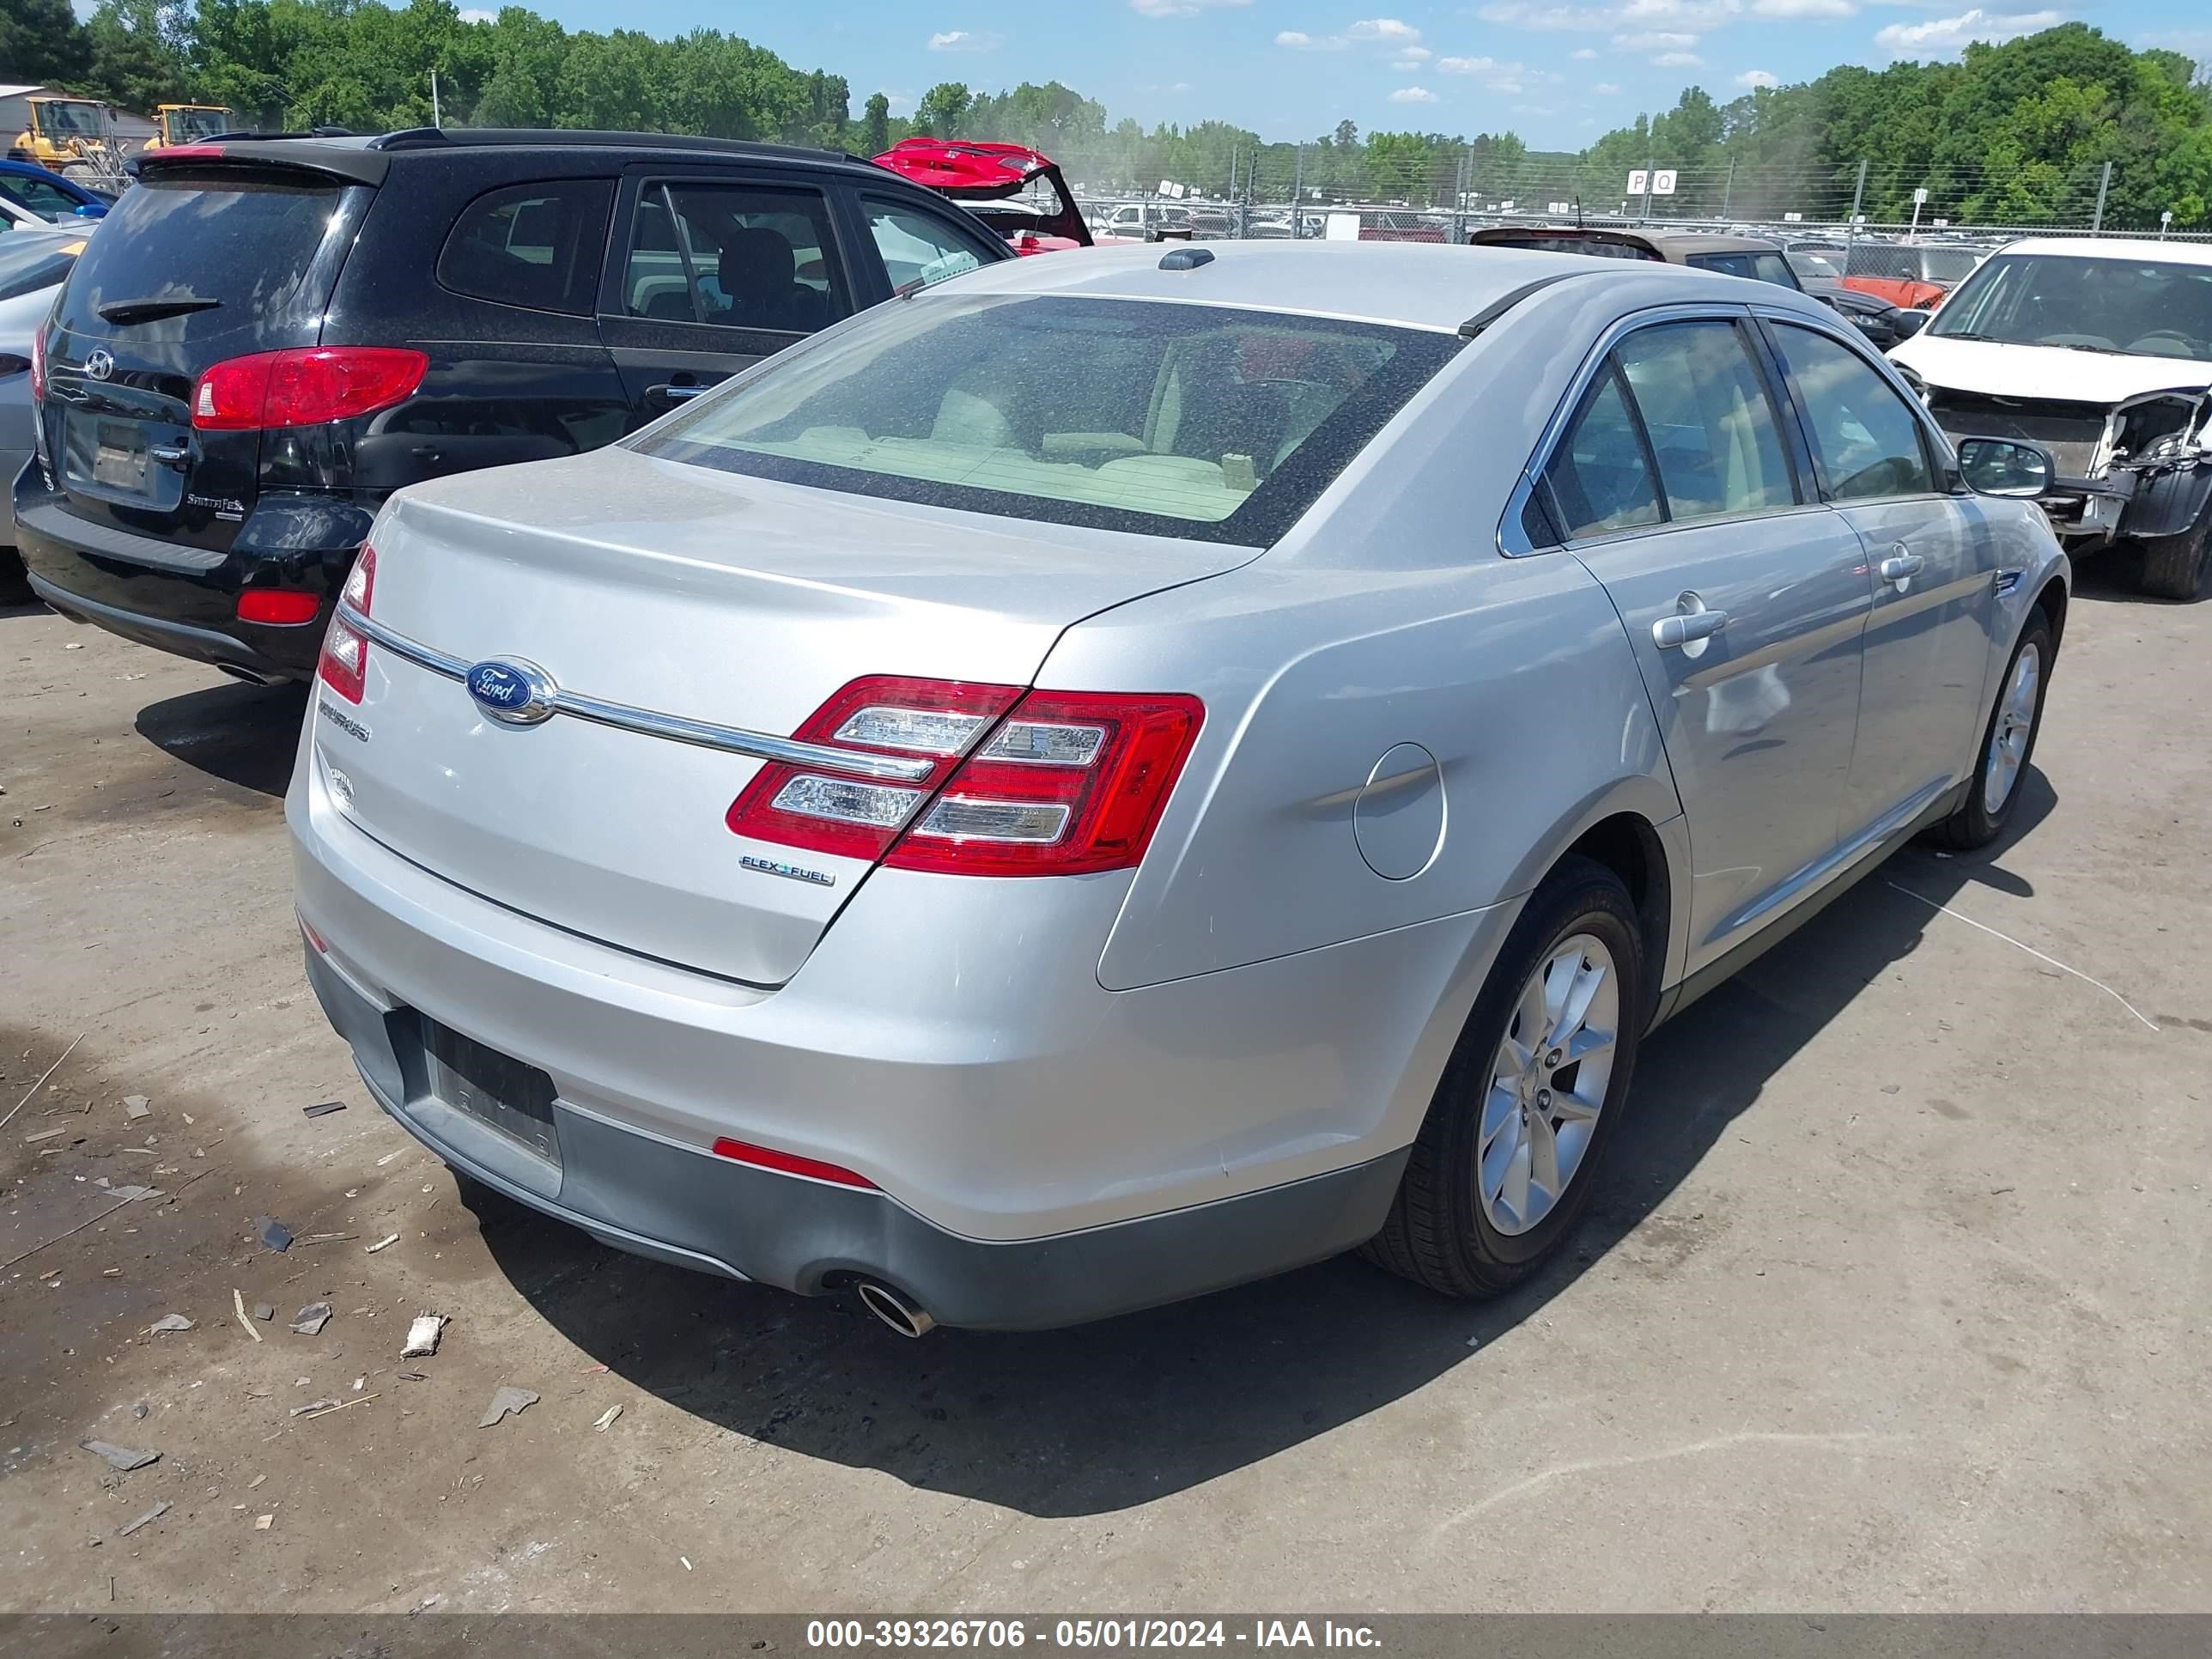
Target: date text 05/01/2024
x=1087, y=1633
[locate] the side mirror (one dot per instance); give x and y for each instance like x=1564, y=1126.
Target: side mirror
x=2001, y=466
x=1910, y=323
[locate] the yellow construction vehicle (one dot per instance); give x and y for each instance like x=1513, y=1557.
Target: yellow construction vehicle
x=70, y=136
x=189, y=123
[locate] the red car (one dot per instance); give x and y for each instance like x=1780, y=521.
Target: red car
x=1017, y=193
x=1916, y=276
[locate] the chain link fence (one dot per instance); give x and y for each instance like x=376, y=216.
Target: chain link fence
x=1442, y=195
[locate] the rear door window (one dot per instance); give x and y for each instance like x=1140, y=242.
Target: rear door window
x=1712, y=426
x=917, y=248
x=246, y=238
x=536, y=245
x=734, y=255
x=1600, y=478
x=1866, y=442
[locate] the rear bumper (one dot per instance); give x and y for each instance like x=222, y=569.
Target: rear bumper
x=638, y=1192
x=1044, y=1151
x=182, y=598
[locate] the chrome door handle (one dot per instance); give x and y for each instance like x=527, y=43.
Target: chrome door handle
x=674, y=394
x=1669, y=632
x=1902, y=567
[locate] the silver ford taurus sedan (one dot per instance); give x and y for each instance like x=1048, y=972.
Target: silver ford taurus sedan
x=1119, y=774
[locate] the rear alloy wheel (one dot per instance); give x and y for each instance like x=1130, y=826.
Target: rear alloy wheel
x=1505, y=1158
x=2007, y=743
x=2174, y=566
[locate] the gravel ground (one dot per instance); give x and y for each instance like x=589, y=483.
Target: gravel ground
x=1894, y=1299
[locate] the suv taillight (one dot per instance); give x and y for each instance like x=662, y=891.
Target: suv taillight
x=304, y=387
x=345, y=664
x=1064, y=783
x=38, y=368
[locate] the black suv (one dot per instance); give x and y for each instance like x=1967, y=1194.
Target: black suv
x=270, y=336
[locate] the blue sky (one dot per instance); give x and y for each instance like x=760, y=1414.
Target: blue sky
x=1558, y=71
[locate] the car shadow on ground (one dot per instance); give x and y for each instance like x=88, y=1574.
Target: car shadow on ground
x=1098, y=1419
x=243, y=734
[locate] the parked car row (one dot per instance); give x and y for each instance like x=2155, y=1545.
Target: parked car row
x=842, y=758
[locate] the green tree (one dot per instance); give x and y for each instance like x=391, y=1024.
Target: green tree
x=42, y=43
x=942, y=109
x=876, y=125
x=138, y=52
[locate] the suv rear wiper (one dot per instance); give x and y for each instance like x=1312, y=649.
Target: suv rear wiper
x=154, y=310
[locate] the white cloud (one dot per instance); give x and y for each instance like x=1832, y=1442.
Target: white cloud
x=1654, y=41
x=1803, y=9
x=1413, y=95
x=1497, y=73
x=1751, y=78
x=1402, y=38
x=1521, y=15
x=1606, y=89
x=1411, y=59
x=1942, y=36
x=1678, y=60
x=966, y=41
x=1178, y=7
x=479, y=15
x=1583, y=54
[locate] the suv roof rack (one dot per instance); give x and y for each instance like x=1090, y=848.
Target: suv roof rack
x=542, y=137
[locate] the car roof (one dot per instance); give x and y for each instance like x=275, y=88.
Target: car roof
x=1672, y=245
x=1424, y=285
x=2114, y=247
x=369, y=157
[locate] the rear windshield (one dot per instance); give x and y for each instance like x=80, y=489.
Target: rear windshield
x=247, y=240
x=1537, y=242
x=1191, y=420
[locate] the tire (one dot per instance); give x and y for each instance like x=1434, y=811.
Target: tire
x=1976, y=824
x=1444, y=1231
x=2173, y=566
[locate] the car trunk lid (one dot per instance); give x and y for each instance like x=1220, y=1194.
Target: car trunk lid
x=687, y=595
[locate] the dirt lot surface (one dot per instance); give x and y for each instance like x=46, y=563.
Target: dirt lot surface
x=1895, y=1298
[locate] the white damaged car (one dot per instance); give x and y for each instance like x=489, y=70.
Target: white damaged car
x=2100, y=353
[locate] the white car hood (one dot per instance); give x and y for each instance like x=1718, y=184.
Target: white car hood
x=2038, y=371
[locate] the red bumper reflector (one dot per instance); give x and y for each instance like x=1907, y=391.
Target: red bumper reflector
x=277, y=604
x=767, y=1157
x=312, y=937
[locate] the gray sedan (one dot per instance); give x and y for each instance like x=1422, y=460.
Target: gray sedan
x=1115, y=776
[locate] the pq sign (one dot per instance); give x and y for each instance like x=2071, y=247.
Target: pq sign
x=1639, y=182
x=1662, y=182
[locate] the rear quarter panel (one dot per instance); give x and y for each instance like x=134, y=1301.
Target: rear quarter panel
x=1386, y=617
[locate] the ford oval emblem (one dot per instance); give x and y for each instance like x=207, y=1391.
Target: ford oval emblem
x=518, y=693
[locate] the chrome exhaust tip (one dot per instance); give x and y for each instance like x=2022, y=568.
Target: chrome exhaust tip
x=902, y=1315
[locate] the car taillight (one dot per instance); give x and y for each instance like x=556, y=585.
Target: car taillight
x=304, y=387
x=283, y=606
x=1065, y=783
x=345, y=664
x=823, y=811
x=39, y=368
